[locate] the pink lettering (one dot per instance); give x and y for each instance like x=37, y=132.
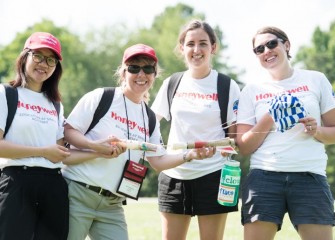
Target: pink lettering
x=131, y=124
x=264, y=96
x=192, y=95
x=36, y=108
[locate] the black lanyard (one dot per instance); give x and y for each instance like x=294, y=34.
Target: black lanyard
x=145, y=130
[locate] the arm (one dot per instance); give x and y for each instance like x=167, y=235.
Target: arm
x=249, y=137
x=54, y=153
x=79, y=156
x=173, y=160
x=326, y=133
x=232, y=130
x=78, y=139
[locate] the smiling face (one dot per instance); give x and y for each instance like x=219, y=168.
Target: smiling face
x=36, y=72
x=197, y=49
x=137, y=85
x=275, y=58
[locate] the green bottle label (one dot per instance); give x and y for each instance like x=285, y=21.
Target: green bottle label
x=229, y=185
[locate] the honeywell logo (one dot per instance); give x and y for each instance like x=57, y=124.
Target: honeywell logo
x=36, y=108
x=191, y=95
x=263, y=96
x=131, y=124
x=138, y=168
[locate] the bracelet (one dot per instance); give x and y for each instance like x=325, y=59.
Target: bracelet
x=184, y=157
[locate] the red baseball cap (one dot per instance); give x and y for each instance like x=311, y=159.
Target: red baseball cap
x=139, y=49
x=44, y=40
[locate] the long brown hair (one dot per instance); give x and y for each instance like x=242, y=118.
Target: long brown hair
x=50, y=87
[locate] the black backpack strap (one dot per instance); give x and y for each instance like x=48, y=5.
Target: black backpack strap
x=12, y=100
x=172, y=87
x=104, y=104
x=152, y=119
x=223, y=87
x=57, y=107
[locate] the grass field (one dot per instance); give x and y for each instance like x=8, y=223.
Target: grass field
x=144, y=223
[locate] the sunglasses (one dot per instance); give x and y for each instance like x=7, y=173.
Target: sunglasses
x=270, y=45
x=38, y=58
x=147, y=69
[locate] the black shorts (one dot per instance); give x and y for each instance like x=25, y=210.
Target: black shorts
x=191, y=197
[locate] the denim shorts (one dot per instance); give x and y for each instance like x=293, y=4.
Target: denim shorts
x=191, y=197
x=305, y=196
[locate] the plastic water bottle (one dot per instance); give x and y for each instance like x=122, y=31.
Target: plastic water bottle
x=229, y=183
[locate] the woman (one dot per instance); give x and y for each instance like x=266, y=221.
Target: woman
x=287, y=167
x=33, y=193
x=192, y=188
x=95, y=196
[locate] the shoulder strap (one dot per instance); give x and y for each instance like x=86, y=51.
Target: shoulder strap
x=152, y=119
x=223, y=86
x=57, y=107
x=104, y=104
x=223, y=98
x=172, y=87
x=12, y=100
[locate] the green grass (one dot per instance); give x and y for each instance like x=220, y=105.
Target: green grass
x=144, y=223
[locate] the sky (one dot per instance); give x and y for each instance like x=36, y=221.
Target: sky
x=238, y=19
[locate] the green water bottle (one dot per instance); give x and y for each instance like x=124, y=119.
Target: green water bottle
x=229, y=183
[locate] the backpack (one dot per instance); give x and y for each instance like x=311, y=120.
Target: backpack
x=12, y=101
x=105, y=103
x=223, y=86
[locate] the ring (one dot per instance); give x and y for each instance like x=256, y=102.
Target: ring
x=310, y=128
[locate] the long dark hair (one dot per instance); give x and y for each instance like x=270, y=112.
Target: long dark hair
x=49, y=87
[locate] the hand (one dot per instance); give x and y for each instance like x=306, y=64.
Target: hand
x=200, y=153
x=106, y=147
x=55, y=153
x=224, y=154
x=310, y=125
x=117, y=149
x=286, y=111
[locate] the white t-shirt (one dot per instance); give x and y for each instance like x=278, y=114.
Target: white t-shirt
x=35, y=123
x=196, y=117
x=292, y=150
x=102, y=172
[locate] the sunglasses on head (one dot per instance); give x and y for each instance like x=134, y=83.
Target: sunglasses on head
x=147, y=69
x=270, y=45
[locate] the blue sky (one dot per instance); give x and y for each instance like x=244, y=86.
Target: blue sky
x=239, y=20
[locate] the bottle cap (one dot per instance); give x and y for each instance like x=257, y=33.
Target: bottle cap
x=232, y=163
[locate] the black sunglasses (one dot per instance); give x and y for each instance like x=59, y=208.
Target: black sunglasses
x=147, y=69
x=270, y=45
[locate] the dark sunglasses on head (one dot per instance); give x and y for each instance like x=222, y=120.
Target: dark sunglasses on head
x=147, y=69
x=270, y=45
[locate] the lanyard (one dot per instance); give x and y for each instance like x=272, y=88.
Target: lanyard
x=128, y=132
